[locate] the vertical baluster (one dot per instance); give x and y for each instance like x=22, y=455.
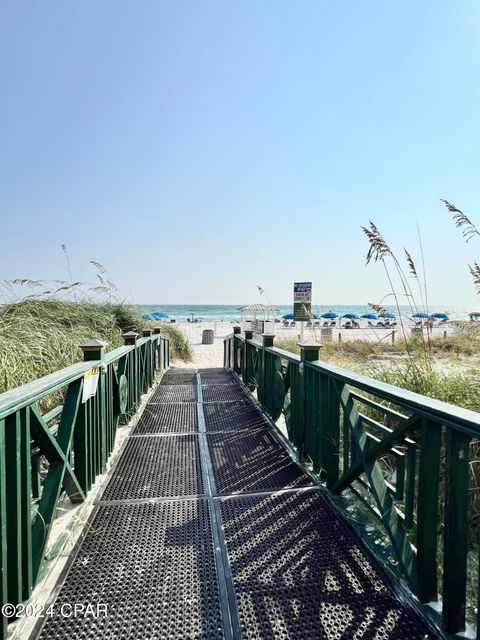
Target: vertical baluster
x=346, y=443
x=158, y=348
x=3, y=528
x=26, y=503
x=247, y=373
x=13, y=443
x=35, y=475
x=329, y=430
x=456, y=530
x=267, y=341
x=236, y=348
x=130, y=339
x=427, y=510
x=147, y=333
x=400, y=477
x=410, y=482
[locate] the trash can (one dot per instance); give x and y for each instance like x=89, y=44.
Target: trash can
x=207, y=336
x=326, y=335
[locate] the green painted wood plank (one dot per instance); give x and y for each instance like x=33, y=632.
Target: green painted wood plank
x=455, y=531
x=13, y=443
x=25, y=502
x=427, y=510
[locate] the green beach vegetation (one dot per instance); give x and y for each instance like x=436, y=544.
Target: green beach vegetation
x=38, y=337
x=449, y=373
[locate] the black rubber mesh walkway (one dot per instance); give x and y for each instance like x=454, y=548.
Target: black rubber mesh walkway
x=170, y=563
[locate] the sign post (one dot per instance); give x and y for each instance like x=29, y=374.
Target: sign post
x=302, y=304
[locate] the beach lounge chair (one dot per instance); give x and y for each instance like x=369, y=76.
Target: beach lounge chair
x=332, y=323
x=325, y=324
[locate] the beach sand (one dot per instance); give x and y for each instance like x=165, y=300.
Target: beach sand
x=211, y=355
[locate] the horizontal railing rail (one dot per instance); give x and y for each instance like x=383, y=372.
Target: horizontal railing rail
x=405, y=457
x=56, y=435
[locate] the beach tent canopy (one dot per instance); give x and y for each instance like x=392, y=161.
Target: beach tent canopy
x=390, y=316
x=351, y=316
x=370, y=316
x=420, y=314
x=439, y=316
x=474, y=314
x=329, y=315
x=258, y=308
x=158, y=315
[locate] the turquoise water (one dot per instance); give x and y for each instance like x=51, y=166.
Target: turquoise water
x=229, y=313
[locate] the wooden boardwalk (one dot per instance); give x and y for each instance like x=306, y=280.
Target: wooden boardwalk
x=207, y=528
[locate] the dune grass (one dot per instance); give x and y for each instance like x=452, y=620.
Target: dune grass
x=39, y=337
x=411, y=369
x=179, y=343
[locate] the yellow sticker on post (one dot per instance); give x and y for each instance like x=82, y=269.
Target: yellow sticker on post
x=90, y=383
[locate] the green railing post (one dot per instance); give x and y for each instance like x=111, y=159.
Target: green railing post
x=456, y=530
x=236, y=347
x=308, y=398
x=264, y=384
x=427, y=510
x=248, y=373
x=94, y=350
x=130, y=338
x=148, y=364
x=158, y=350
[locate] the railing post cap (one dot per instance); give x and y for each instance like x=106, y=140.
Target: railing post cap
x=147, y=332
x=130, y=334
x=157, y=330
x=309, y=345
x=248, y=334
x=93, y=345
x=236, y=329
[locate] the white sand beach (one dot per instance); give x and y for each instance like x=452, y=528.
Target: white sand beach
x=211, y=355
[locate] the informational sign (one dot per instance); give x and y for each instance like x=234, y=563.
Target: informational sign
x=302, y=301
x=302, y=292
x=90, y=383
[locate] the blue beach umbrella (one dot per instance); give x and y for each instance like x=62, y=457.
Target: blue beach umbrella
x=351, y=316
x=420, y=314
x=330, y=315
x=370, y=316
x=439, y=316
x=474, y=314
x=290, y=316
x=160, y=314
x=390, y=316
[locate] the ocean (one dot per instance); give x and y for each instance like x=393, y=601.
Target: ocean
x=230, y=313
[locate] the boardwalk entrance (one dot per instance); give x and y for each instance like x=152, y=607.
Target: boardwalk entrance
x=207, y=528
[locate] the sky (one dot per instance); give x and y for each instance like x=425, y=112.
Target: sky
x=200, y=148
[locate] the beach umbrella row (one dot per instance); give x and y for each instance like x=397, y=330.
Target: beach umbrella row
x=290, y=316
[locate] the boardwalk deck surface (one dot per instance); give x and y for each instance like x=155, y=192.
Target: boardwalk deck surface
x=208, y=529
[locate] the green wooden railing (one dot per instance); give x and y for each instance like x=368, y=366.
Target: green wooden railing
x=403, y=455
x=44, y=453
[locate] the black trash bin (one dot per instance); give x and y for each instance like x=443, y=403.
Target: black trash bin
x=207, y=336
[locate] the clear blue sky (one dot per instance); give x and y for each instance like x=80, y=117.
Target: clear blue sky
x=199, y=148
